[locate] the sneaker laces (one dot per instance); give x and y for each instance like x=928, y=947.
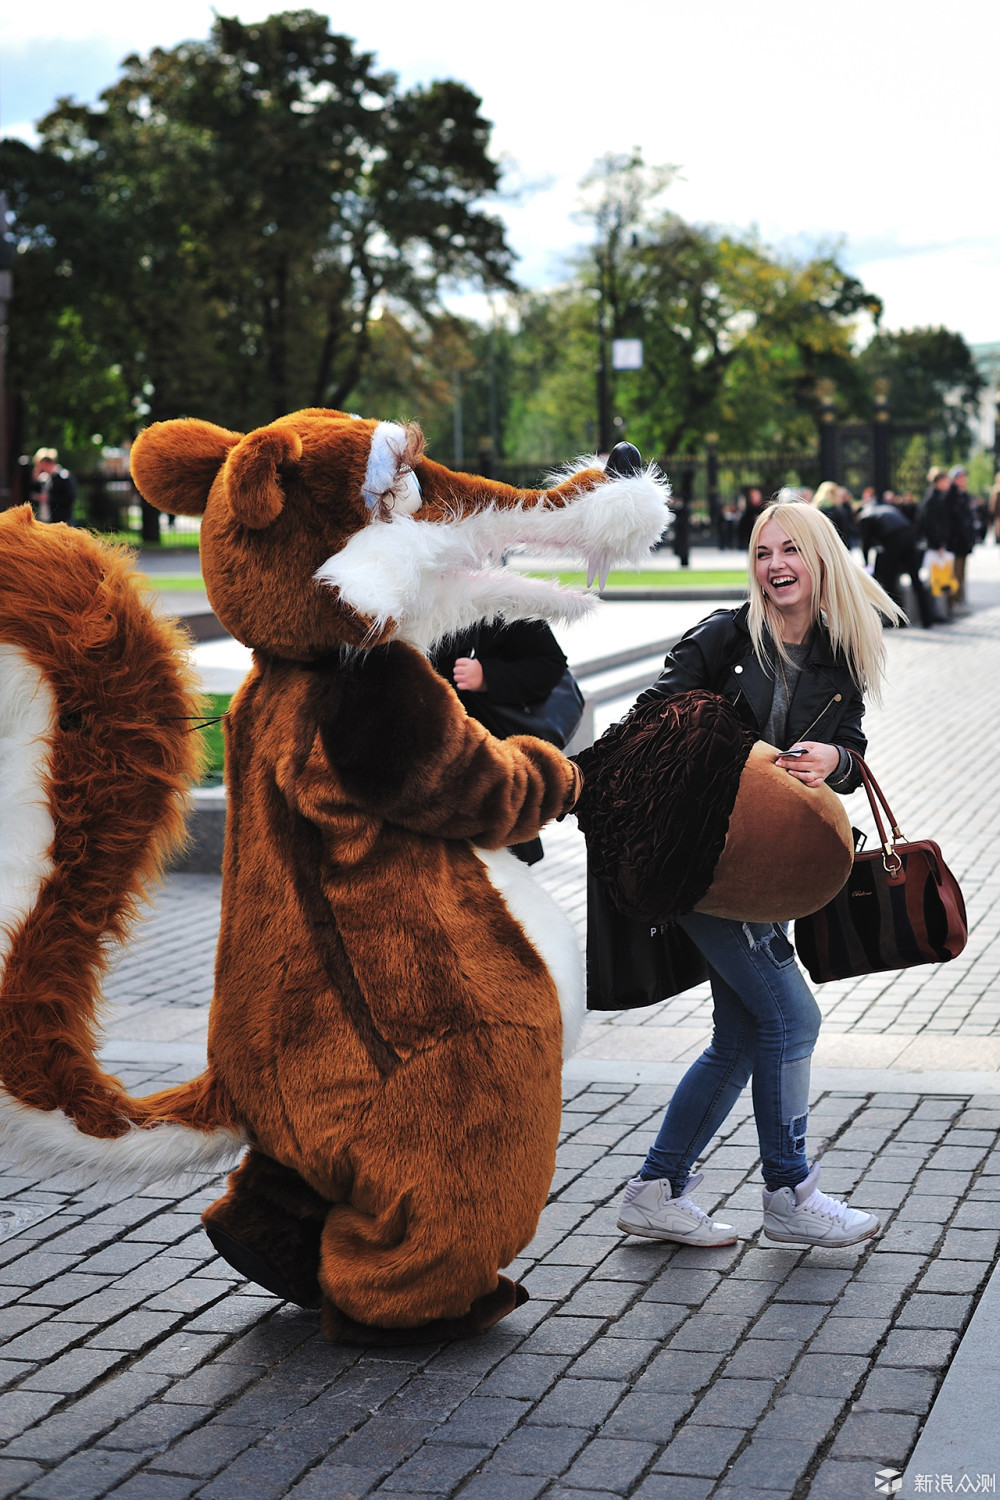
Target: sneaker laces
x=830, y=1208
x=692, y=1208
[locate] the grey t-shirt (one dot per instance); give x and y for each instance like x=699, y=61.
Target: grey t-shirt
x=786, y=675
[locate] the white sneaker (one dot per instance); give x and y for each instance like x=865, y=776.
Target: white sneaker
x=804, y=1216
x=649, y=1209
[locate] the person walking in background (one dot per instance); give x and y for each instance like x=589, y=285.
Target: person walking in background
x=993, y=509
x=489, y=664
x=53, y=488
x=750, y=509
x=962, y=521
x=796, y=662
x=887, y=536
x=829, y=501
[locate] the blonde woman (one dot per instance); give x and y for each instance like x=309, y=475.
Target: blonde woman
x=796, y=663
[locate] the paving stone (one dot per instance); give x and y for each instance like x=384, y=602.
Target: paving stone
x=553, y=1283
x=733, y=1403
x=649, y=1321
x=953, y=1276
x=611, y=1464
x=44, y=1341
x=22, y=1409
x=83, y=1477
x=827, y=1375
x=484, y=1487
x=180, y=1353
x=918, y=1349
x=771, y=1465
x=602, y=1299
x=61, y=1291
x=849, y=1335
x=480, y=1419
x=897, y=1390
x=704, y=1332
x=650, y=1418
x=910, y=1237
x=971, y=1244
x=578, y=1403
x=524, y=1375
x=133, y=1332
x=842, y=1479
x=927, y=1311
x=613, y=1359
x=642, y=1263
x=700, y=1450
x=206, y=1451
x=156, y=1426
x=764, y=1359
x=809, y=1283
x=741, y=1298
x=539, y=1449
x=259, y=1474
x=884, y=1437
x=64, y=1431
x=146, y=1486
x=680, y=1488
x=563, y=1335
x=15, y=1473
x=15, y=1320
x=213, y=1384
x=938, y=1209
x=73, y=1371
x=790, y=1320
x=770, y=1264
x=977, y=1216
x=690, y=1287
x=870, y=1299
x=798, y=1418
x=434, y=1470
x=885, y=1267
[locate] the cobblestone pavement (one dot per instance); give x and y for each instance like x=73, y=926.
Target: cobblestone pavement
x=135, y=1363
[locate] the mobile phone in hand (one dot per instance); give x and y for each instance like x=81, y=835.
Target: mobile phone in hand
x=794, y=754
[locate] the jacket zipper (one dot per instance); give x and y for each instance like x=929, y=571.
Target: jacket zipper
x=837, y=698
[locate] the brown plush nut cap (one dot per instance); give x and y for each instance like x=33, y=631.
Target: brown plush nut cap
x=789, y=849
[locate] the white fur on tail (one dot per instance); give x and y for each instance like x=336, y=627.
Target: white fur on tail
x=29, y=1137
x=550, y=932
x=27, y=723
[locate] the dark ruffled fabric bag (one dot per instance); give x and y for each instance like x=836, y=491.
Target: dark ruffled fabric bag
x=658, y=792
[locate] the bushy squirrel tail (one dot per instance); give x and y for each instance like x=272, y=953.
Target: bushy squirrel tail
x=97, y=705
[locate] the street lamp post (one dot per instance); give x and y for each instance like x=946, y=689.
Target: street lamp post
x=6, y=293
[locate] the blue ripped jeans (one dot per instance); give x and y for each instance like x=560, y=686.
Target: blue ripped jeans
x=765, y=1025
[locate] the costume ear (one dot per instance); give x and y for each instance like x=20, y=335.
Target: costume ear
x=174, y=464
x=253, y=484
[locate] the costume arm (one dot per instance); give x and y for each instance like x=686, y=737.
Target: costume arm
x=403, y=749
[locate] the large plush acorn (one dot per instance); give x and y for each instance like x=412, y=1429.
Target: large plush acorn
x=685, y=810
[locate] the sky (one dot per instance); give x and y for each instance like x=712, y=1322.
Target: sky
x=873, y=127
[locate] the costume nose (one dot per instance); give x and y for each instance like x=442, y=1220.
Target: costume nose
x=623, y=460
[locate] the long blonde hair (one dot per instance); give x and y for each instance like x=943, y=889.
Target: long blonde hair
x=846, y=598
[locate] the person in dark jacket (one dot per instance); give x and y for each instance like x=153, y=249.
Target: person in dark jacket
x=964, y=528
x=497, y=663
x=796, y=668
x=885, y=533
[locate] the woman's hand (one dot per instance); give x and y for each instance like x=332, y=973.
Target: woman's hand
x=468, y=675
x=815, y=766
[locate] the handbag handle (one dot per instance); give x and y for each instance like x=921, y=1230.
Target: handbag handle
x=890, y=859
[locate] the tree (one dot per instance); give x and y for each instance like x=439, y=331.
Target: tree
x=932, y=379
x=230, y=217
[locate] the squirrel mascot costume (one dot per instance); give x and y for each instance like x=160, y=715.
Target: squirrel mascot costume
x=392, y=990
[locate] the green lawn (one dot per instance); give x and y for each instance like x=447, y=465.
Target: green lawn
x=183, y=583
x=667, y=578
x=214, y=704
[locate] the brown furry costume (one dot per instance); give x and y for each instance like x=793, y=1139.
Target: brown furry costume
x=385, y=1029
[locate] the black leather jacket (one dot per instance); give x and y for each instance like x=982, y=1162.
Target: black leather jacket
x=717, y=655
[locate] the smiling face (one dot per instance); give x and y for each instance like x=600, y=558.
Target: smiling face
x=782, y=574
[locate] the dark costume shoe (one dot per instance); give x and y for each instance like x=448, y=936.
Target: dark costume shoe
x=268, y=1227
x=484, y=1312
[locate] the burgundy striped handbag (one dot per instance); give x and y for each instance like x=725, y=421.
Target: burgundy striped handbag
x=901, y=906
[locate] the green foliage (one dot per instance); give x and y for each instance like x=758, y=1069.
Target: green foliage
x=75, y=401
x=226, y=221
x=911, y=471
x=932, y=378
